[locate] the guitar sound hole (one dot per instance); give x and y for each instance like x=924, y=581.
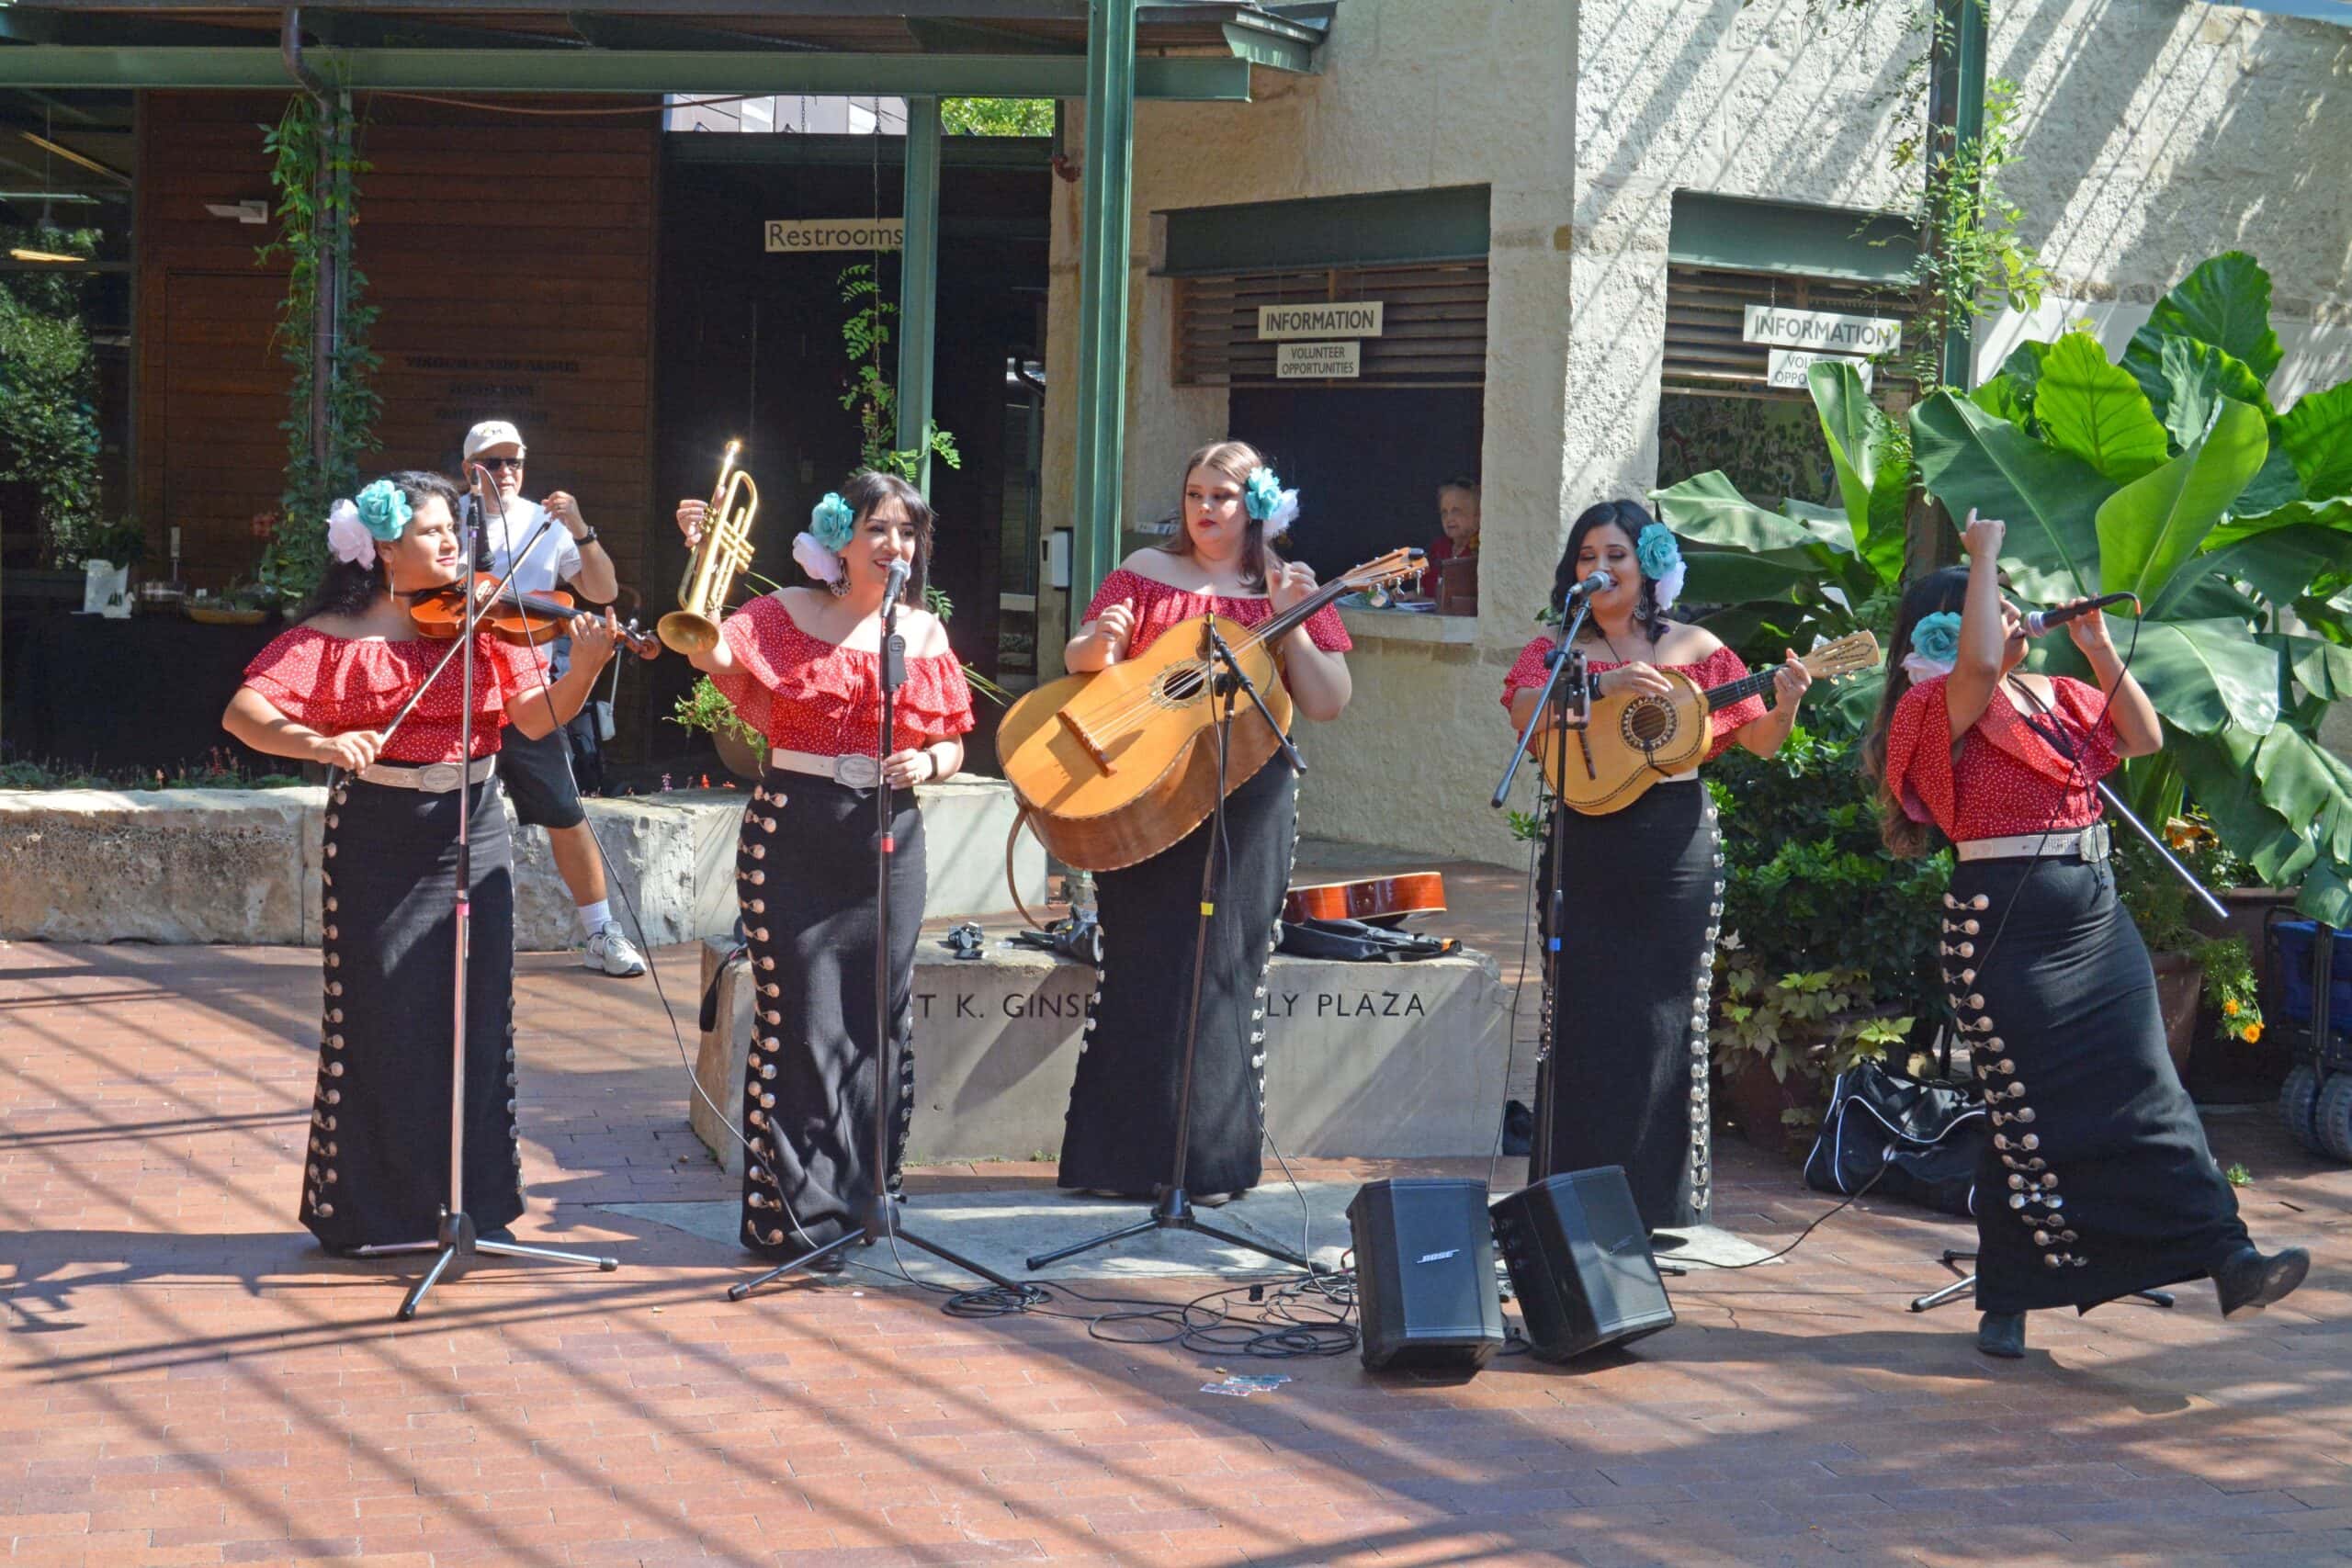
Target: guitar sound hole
x=1648, y=723
x=1183, y=684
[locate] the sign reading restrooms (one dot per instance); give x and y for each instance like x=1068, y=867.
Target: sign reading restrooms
x=791, y=235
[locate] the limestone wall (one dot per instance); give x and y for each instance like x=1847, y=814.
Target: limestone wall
x=2154, y=134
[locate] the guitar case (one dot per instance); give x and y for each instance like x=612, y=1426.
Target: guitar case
x=1356, y=941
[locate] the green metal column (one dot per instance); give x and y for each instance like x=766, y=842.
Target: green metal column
x=919, y=285
x=1962, y=30
x=1102, y=294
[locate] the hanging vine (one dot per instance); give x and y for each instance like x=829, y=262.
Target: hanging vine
x=1974, y=260
x=316, y=169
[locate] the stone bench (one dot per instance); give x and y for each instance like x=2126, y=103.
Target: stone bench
x=199, y=866
x=1402, y=1060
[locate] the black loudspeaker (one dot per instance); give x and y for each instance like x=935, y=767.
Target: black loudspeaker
x=1580, y=1264
x=1425, y=1274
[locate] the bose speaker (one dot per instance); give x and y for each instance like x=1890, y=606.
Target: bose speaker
x=1425, y=1274
x=1580, y=1264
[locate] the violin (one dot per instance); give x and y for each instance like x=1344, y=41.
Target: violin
x=523, y=619
x=1376, y=900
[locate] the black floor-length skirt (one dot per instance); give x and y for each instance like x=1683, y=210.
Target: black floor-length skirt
x=378, y=1168
x=2097, y=1181
x=805, y=871
x=1627, y=1080
x=1121, y=1129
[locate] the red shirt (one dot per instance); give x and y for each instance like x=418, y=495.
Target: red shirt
x=2009, y=779
x=1718, y=669
x=338, y=685
x=807, y=695
x=1159, y=607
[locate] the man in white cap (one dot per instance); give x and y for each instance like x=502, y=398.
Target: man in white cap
x=538, y=773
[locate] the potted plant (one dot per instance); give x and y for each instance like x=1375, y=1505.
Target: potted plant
x=742, y=749
x=1783, y=1039
x=2196, y=973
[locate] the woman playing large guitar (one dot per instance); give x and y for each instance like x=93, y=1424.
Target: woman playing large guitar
x=1122, y=1123
x=1625, y=1079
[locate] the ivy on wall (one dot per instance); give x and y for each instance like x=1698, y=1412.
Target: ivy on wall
x=315, y=170
x=48, y=388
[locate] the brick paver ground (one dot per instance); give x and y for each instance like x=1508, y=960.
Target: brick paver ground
x=187, y=1380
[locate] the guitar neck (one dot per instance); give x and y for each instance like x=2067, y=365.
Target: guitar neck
x=1740, y=691
x=1275, y=627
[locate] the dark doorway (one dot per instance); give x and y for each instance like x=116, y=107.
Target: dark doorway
x=751, y=345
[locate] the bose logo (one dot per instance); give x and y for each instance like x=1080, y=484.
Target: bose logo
x=1440, y=1256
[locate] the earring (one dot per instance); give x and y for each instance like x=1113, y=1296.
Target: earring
x=839, y=586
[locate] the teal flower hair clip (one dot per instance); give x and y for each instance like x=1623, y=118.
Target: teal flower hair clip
x=1661, y=561
x=1261, y=492
x=1936, y=638
x=829, y=520
x=384, y=512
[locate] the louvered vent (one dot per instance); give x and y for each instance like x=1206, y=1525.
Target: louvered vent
x=1433, y=324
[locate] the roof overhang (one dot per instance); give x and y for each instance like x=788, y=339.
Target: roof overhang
x=1032, y=49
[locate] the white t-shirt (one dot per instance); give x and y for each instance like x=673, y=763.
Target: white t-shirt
x=554, y=560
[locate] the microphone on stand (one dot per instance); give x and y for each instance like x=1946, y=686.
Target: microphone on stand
x=1600, y=581
x=2039, y=623
x=896, y=584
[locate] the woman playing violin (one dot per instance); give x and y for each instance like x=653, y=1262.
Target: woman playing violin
x=378, y=1165
x=1120, y=1135
x=1625, y=1082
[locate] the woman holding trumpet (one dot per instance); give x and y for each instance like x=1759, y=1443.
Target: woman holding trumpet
x=803, y=667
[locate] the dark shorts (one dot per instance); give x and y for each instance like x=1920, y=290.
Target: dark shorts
x=538, y=775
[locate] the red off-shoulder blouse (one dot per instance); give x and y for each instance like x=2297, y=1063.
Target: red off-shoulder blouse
x=1718, y=669
x=338, y=685
x=2009, y=778
x=807, y=695
x=1159, y=607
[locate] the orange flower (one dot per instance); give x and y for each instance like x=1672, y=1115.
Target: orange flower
x=2230, y=1008
x=2250, y=1033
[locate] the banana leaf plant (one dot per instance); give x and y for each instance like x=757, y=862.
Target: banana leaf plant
x=1783, y=578
x=2172, y=474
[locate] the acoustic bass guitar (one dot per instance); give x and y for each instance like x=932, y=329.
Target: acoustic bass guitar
x=1630, y=742
x=1376, y=900
x=1112, y=767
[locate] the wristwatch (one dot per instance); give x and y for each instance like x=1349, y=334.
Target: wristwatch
x=587, y=538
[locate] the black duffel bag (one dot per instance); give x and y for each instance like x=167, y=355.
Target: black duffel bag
x=1900, y=1138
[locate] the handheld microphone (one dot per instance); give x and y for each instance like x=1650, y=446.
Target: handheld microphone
x=900, y=571
x=2040, y=622
x=1600, y=581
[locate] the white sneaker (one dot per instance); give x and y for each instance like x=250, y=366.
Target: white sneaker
x=614, y=954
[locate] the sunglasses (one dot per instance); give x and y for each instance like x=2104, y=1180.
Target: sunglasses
x=494, y=463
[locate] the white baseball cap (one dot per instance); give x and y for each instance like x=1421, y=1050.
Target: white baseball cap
x=491, y=433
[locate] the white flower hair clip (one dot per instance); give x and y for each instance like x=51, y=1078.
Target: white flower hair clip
x=347, y=537
x=816, y=559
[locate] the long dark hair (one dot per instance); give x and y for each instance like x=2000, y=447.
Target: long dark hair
x=1234, y=459
x=346, y=588
x=869, y=488
x=1629, y=517
x=1939, y=590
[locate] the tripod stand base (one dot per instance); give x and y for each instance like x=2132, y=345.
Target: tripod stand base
x=1966, y=1286
x=1173, y=1211
x=457, y=1241
x=881, y=1226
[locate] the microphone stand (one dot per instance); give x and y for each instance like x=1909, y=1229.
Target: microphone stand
x=878, y=1217
x=456, y=1240
x=1563, y=705
x=1173, y=1209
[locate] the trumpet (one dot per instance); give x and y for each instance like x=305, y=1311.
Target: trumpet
x=725, y=550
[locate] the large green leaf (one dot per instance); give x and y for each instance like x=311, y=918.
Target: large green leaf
x=2192, y=378
x=2275, y=484
x=1969, y=460
x=2334, y=513
x=2225, y=302
x=2023, y=368
x=1726, y=577
x=2001, y=397
x=2096, y=410
x=2310, y=786
x=2317, y=434
x=1871, y=480
x=2279, y=562
x=2152, y=524
x=2204, y=674
x=2324, y=667
x=1827, y=524
x=1707, y=509
x=2219, y=770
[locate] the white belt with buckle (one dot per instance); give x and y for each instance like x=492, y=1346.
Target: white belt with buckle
x=433, y=778
x=2091, y=843
x=853, y=771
